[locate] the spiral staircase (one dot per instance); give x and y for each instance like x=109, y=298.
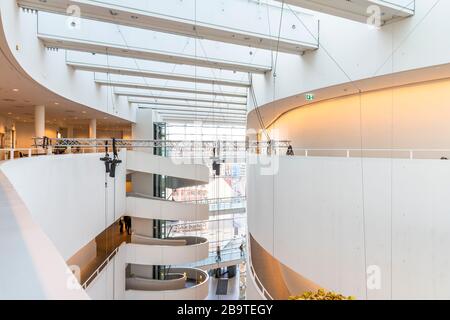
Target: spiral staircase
x=149, y=255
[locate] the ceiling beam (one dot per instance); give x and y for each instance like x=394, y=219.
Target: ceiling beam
x=147, y=54
x=133, y=85
x=169, y=22
x=214, y=111
x=201, y=113
x=358, y=10
x=155, y=75
x=202, y=117
x=187, y=105
x=212, y=121
x=211, y=111
x=175, y=98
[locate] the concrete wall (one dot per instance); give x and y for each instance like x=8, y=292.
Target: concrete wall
x=32, y=268
x=66, y=195
x=330, y=219
x=408, y=117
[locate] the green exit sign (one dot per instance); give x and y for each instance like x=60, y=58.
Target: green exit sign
x=309, y=96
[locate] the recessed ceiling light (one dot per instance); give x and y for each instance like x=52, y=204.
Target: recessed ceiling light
x=56, y=103
x=9, y=113
x=15, y=90
x=84, y=112
x=105, y=118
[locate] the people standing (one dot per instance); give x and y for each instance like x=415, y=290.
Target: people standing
x=127, y=221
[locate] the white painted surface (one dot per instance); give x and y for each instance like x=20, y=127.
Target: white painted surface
x=176, y=45
x=48, y=68
x=253, y=23
x=166, y=255
x=102, y=287
x=32, y=267
x=39, y=121
x=310, y=217
x=151, y=208
x=251, y=291
x=197, y=292
x=111, y=282
x=66, y=195
x=361, y=51
x=361, y=10
x=193, y=174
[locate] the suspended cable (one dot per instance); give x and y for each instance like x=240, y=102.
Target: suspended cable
x=257, y=111
x=140, y=69
x=252, y=91
x=322, y=47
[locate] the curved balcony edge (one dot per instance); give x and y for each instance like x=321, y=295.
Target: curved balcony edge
x=183, y=250
x=199, y=291
x=43, y=273
x=153, y=208
x=180, y=173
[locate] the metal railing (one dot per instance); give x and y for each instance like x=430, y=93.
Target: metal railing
x=11, y=154
x=99, y=269
x=259, y=286
x=175, y=148
x=372, y=152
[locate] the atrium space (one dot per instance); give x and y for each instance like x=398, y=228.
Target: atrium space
x=210, y=150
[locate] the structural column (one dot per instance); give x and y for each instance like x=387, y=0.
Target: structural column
x=142, y=129
x=39, y=121
x=70, y=132
x=93, y=129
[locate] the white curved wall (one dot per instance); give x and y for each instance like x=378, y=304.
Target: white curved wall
x=31, y=267
x=361, y=51
x=192, y=174
x=197, y=292
x=66, y=196
x=102, y=287
x=49, y=68
x=315, y=217
x=150, y=208
x=107, y=286
x=166, y=255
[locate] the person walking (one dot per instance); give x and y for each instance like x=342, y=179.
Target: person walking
x=121, y=224
x=241, y=247
x=218, y=257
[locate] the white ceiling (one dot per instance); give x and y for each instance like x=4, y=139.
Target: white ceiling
x=19, y=94
x=271, y=111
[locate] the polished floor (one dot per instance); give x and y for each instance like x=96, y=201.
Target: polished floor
x=92, y=256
